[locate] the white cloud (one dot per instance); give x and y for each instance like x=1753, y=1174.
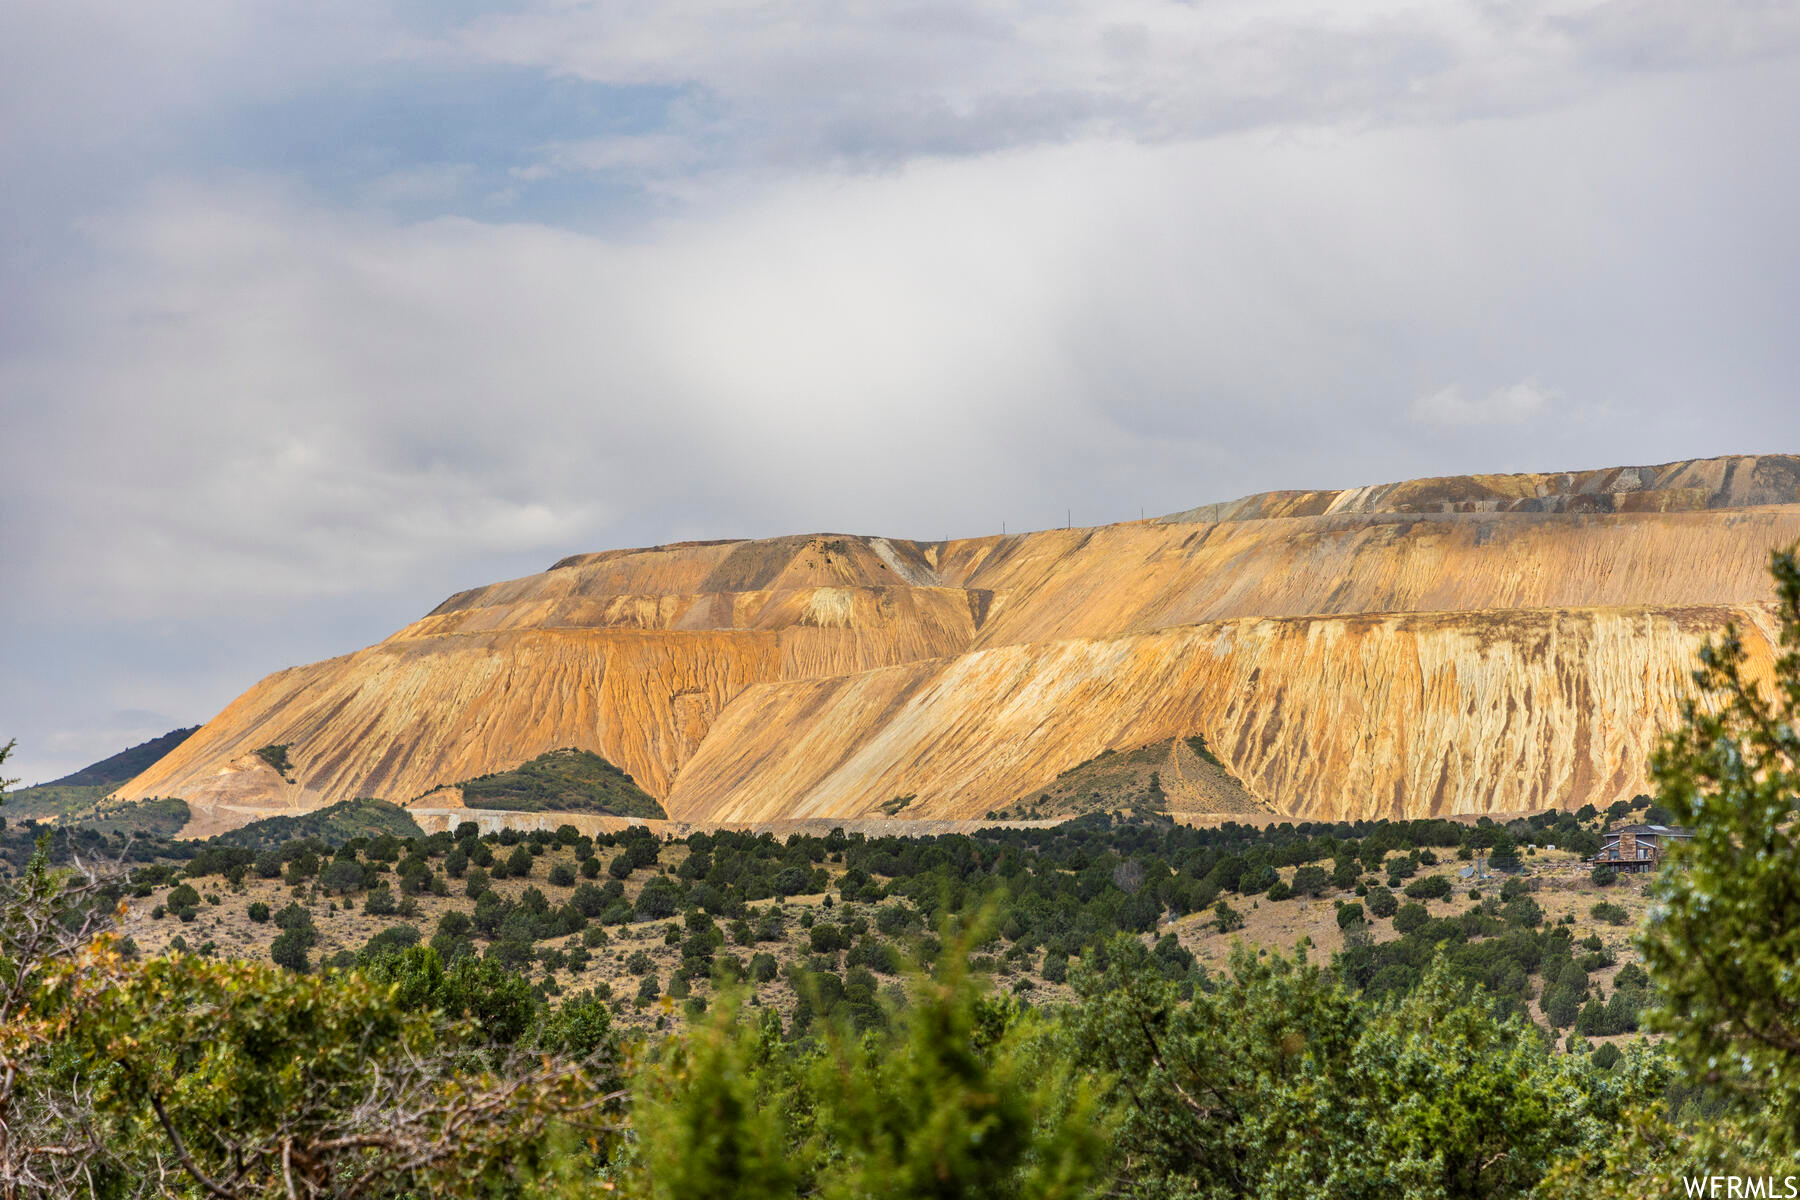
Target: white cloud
x=1512, y=405
x=78, y=74
x=823, y=81
x=915, y=269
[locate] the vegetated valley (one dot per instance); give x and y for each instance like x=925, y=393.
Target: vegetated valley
x=629, y=958
x=645, y=922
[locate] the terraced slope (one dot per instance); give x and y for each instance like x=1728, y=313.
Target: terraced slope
x=1444, y=646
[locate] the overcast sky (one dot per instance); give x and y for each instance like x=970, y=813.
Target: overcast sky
x=312, y=313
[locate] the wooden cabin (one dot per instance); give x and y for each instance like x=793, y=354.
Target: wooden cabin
x=1634, y=849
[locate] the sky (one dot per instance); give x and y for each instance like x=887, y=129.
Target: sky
x=314, y=313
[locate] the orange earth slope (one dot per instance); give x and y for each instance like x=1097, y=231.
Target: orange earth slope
x=1460, y=645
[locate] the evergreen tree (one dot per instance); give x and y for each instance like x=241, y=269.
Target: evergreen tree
x=1725, y=936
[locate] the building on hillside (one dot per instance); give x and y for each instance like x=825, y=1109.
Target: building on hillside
x=1637, y=848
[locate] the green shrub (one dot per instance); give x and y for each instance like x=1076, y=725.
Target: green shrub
x=277, y=757
x=1227, y=917
x=876, y=955
x=343, y=875
x=1382, y=902
x=1431, y=887
x=955, y=1099
x=1409, y=917
x=1312, y=881
x=1505, y=855
x=1561, y=1006
x=391, y=940
x=659, y=899
x=289, y=950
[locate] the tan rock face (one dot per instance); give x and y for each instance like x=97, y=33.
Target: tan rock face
x=1444, y=646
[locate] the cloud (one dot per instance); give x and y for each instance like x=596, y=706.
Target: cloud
x=85, y=75
x=1515, y=404
x=99, y=736
x=273, y=387
x=646, y=156
x=877, y=84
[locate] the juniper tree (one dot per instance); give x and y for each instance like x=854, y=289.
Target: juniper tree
x=1724, y=931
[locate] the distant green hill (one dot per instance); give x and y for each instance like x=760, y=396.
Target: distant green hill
x=163, y=817
x=51, y=802
x=73, y=797
x=336, y=824
x=126, y=764
x=88, y=806
x=563, y=781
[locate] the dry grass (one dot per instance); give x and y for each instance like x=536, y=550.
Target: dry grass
x=346, y=927
x=1562, y=887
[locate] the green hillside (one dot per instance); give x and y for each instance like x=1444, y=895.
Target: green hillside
x=52, y=802
x=74, y=796
x=565, y=780
x=163, y=817
x=335, y=824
